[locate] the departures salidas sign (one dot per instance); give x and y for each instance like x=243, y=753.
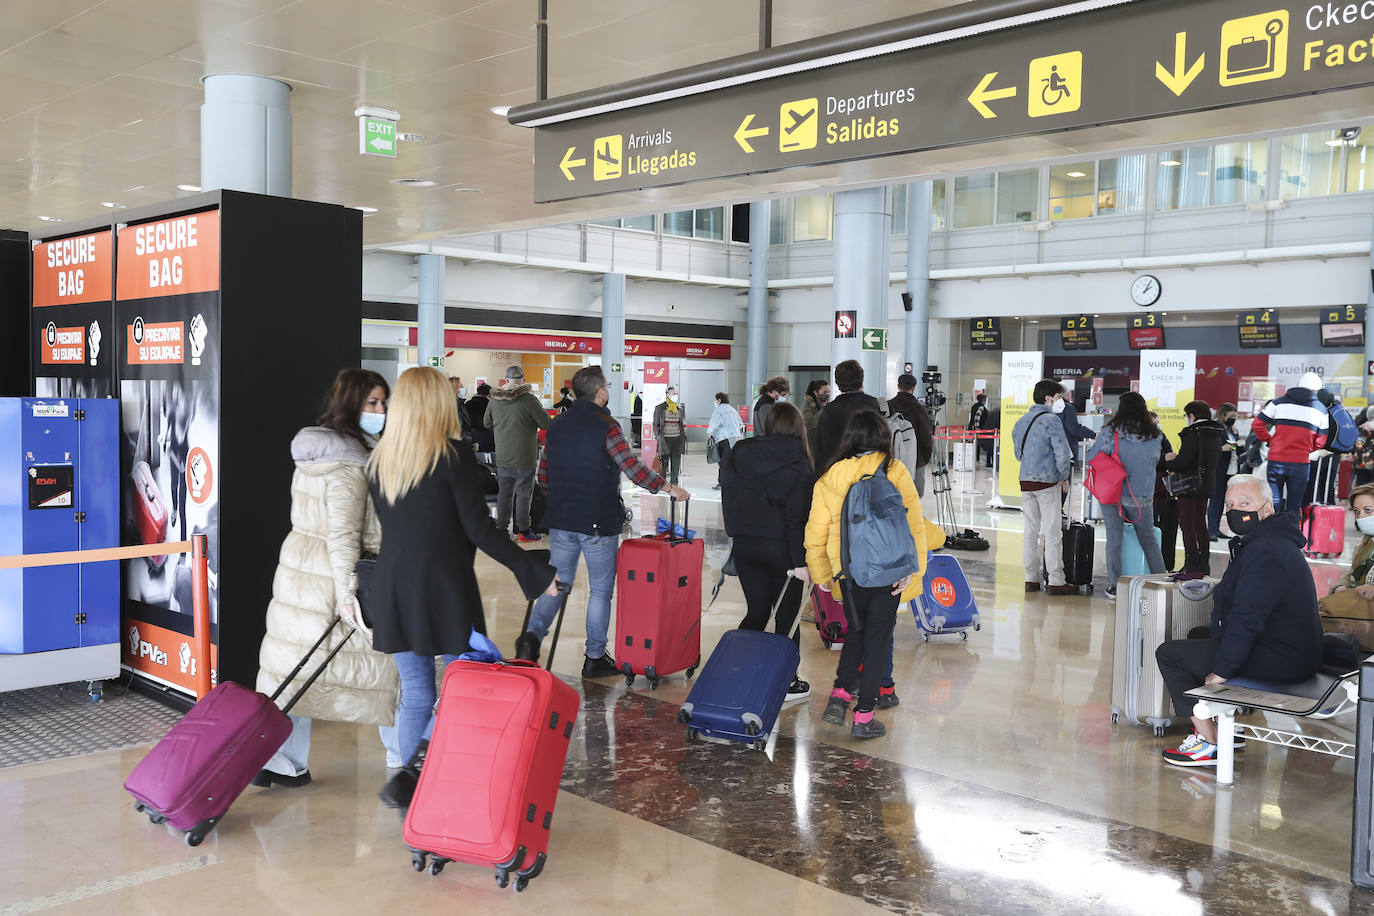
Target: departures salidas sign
x=1143, y=60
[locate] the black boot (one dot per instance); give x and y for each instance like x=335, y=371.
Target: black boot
x=527, y=647
x=400, y=789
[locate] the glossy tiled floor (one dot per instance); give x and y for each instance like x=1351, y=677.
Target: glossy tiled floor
x=1002, y=787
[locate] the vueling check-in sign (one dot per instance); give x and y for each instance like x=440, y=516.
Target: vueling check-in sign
x=1147, y=59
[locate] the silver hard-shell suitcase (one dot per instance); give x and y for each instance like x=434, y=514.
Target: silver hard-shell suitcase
x=1150, y=610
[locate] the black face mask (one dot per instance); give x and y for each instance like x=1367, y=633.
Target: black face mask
x=1242, y=521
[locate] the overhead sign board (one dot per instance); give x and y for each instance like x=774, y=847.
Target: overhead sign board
x=1145, y=332
x=985, y=334
x=1078, y=333
x=1259, y=330
x=376, y=136
x=1148, y=59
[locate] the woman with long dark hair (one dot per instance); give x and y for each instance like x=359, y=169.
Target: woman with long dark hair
x=765, y=497
x=863, y=451
x=1134, y=438
x=332, y=525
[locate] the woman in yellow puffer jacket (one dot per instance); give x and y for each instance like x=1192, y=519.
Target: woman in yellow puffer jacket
x=872, y=612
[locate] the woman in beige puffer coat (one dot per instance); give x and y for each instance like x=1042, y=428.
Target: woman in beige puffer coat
x=332, y=524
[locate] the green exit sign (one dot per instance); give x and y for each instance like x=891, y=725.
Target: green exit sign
x=376, y=137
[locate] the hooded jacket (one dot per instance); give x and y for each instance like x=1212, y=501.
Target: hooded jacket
x=1264, y=610
x=1199, y=446
x=515, y=416
x=824, y=524
x=332, y=523
x=765, y=491
x=1294, y=425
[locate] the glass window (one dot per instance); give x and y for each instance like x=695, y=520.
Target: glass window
x=613, y=223
x=811, y=218
x=1183, y=178
x=974, y=196
x=1121, y=185
x=1309, y=165
x=1359, y=166
x=678, y=223
x=1073, y=189
x=777, y=222
x=899, y=195
x=642, y=223
x=937, y=206
x=1016, y=194
x=710, y=223
x=1240, y=172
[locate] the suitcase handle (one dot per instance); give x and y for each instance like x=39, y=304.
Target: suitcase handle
x=672, y=521
x=564, y=590
x=796, y=621
x=295, y=697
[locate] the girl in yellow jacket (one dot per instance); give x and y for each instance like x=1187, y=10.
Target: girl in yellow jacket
x=872, y=612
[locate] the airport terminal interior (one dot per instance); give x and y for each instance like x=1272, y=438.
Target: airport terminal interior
x=210, y=207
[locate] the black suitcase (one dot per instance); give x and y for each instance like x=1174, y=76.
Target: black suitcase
x=1079, y=545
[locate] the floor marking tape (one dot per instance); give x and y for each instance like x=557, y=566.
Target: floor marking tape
x=133, y=879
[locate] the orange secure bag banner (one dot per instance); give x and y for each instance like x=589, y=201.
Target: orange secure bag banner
x=169, y=257
x=73, y=270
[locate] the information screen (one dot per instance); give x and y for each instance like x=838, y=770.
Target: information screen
x=1145, y=332
x=1259, y=330
x=1343, y=327
x=1078, y=333
x=985, y=334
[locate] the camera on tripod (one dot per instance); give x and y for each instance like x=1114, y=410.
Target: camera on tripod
x=934, y=398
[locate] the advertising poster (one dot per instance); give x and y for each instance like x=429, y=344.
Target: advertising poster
x=1167, y=378
x=1341, y=373
x=167, y=317
x=1020, y=371
x=70, y=336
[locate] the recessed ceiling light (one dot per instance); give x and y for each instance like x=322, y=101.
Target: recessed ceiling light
x=366, y=209
x=410, y=138
x=1170, y=163
x=188, y=187
x=500, y=110
x=113, y=205
x=1077, y=174
x=1034, y=321
x=1335, y=143
x=51, y=219
x=414, y=182
x=467, y=190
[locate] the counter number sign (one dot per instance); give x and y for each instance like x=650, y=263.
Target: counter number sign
x=1259, y=330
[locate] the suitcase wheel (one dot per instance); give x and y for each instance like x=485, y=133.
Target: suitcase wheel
x=693, y=670
x=752, y=724
x=684, y=715
x=418, y=860
x=1116, y=716
x=825, y=642
x=759, y=745
x=196, y=835
x=629, y=680
x=693, y=736
x=436, y=865
x=1159, y=731
x=653, y=683
x=964, y=633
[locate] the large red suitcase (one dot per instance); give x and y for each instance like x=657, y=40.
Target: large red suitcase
x=492, y=771
x=201, y=767
x=1324, y=525
x=658, y=605
x=150, y=515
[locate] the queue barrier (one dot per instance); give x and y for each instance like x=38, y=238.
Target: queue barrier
x=197, y=546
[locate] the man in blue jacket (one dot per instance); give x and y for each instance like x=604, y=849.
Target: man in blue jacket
x=1264, y=624
x=1045, y=468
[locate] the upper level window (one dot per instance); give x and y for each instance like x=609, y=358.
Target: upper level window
x=678, y=222
x=1073, y=190
x=1121, y=185
x=1240, y=172
x=1182, y=178
x=974, y=200
x=1309, y=165
x=811, y=218
x=1017, y=194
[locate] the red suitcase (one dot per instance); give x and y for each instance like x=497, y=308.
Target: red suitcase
x=201, y=767
x=492, y=770
x=1345, y=477
x=1323, y=525
x=830, y=619
x=150, y=515
x=658, y=605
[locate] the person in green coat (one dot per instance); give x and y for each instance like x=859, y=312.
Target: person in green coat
x=515, y=417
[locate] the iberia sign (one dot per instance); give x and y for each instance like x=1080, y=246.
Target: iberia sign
x=459, y=338
x=1128, y=62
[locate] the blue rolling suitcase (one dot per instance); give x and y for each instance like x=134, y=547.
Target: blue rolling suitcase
x=1132, y=557
x=740, y=690
x=946, y=603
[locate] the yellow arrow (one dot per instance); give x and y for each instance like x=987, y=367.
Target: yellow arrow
x=1181, y=77
x=744, y=133
x=979, y=97
x=569, y=163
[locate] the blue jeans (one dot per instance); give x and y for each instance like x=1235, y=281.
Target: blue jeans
x=1142, y=522
x=600, y=552
x=1292, y=477
x=416, y=712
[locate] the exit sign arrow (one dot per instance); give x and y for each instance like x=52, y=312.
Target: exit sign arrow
x=874, y=339
x=378, y=143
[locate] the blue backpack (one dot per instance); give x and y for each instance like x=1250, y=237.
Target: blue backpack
x=1342, y=433
x=876, y=545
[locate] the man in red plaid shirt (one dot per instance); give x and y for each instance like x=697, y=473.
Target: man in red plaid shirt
x=584, y=455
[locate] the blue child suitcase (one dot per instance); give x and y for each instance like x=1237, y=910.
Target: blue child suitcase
x=741, y=688
x=1132, y=557
x=946, y=603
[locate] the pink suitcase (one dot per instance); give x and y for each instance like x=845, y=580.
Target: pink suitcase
x=191, y=777
x=830, y=619
x=658, y=606
x=1324, y=527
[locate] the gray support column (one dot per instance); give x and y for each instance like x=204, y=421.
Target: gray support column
x=245, y=134
x=863, y=223
x=917, y=344
x=430, y=340
x=756, y=349
x=613, y=344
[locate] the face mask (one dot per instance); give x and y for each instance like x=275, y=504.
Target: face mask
x=823, y=397
x=372, y=423
x=782, y=399
x=462, y=392
x=1242, y=521
x=1366, y=525
x=1058, y=406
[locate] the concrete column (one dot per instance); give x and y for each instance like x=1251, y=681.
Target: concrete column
x=917, y=344
x=613, y=345
x=245, y=134
x=430, y=341
x=863, y=223
x=756, y=349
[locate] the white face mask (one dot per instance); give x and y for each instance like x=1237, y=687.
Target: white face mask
x=462, y=392
x=1058, y=406
x=1366, y=525
x=372, y=423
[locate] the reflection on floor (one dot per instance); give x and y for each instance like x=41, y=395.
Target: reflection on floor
x=1002, y=786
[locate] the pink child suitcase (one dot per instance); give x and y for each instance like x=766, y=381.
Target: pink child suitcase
x=192, y=776
x=1324, y=525
x=830, y=619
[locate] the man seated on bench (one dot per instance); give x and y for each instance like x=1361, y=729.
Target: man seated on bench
x=1264, y=617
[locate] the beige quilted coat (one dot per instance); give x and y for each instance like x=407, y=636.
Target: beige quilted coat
x=332, y=521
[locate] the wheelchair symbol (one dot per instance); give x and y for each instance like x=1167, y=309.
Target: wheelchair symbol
x=1055, y=90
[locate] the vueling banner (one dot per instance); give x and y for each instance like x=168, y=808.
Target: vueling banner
x=1020, y=371
x=1166, y=383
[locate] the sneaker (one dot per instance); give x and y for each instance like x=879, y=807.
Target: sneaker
x=799, y=689
x=835, y=710
x=1064, y=589
x=1195, y=751
x=528, y=537
x=870, y=729
x=266, y=778
x=1110, y=591
x=527, y=647
x=1032, y=586
x=400, y=789
x=600, y=667
x=887, y=698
